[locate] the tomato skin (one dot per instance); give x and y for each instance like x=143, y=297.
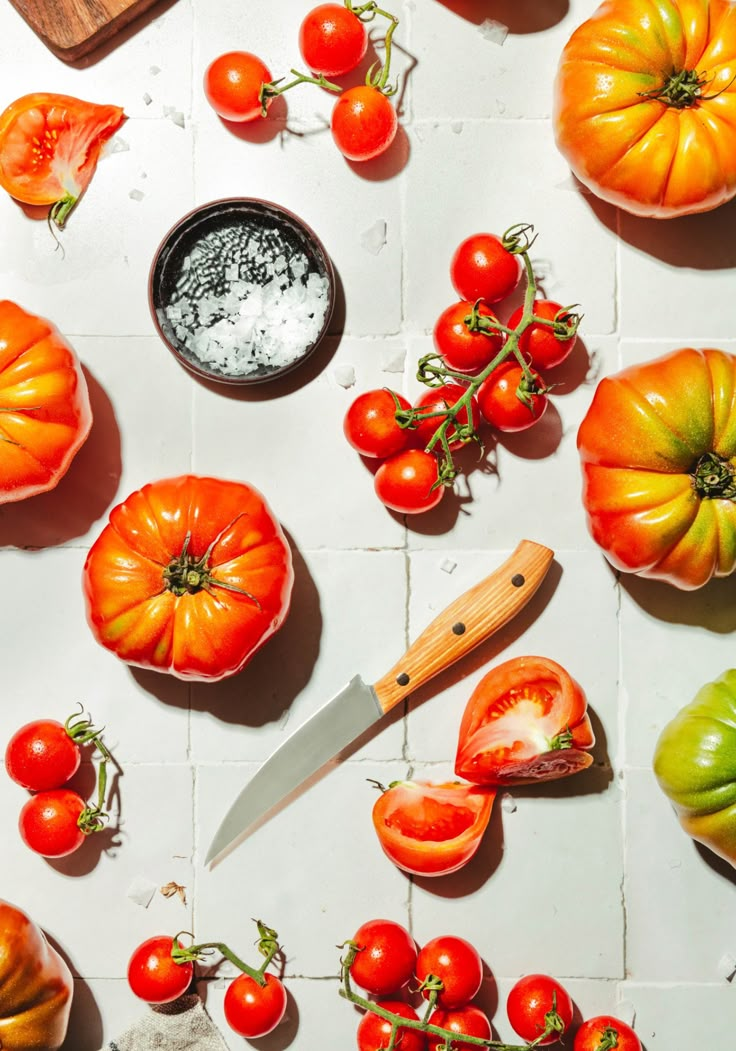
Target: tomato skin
x=48, y=822
x=253, y=1010
x=437, y=399
x=364, y=123
x=374, y=1032
x=592, y=1032
x=154, y=976
x=645, y=445
x=538, y=343
x=387, y=957
x=42, y=755
x=465, y=1021
x=459, y=966
x=404, y=482
x=232, y=85
x=461, y=349
x=512, y=724
x=481, y=268
x=529, y=1001
x=370, y=423
x=501, y=407
x=332, y=40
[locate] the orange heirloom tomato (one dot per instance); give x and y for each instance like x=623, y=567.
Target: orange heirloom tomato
x=35, y=986
x=45, y=415
x=526, y=721
x=658, y=453
x=191, y=576
x=49, y=148
x=645, y=105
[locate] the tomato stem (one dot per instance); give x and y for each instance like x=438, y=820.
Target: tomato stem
x=271, y=90
x=714, y=478
x=186, y=574
x=609, y=1039
x=61, y=210
x=268, y=946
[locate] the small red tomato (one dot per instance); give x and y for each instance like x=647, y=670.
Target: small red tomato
x=481, y=268
x=438, y=399
x=252, y=1010
x=233, y=83
x=42, y=755
x=499, y=401
x=364, y=123
x=154, y=975
x=461, y=349
x=458, y=966
x=408, y=482
x=48, y=822
x=332, y=40
x=607, y=1032
x=465, y=1021
x=370, y=423
x=538, y=342
x=536, y=1003
x=386, y=958
x=374, y=1032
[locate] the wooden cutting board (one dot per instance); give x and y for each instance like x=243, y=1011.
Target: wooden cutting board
x=72, y=28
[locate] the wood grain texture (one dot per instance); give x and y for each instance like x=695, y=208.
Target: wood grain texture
x=466, y=622
x=72, y=28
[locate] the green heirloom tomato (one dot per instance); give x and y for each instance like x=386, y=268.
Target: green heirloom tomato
x=695, y=765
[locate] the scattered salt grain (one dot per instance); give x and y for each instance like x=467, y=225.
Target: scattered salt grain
x=456, y=126
x=727, y=967
x=393, y=361
x=374, y=238
x=494, y=31
x=175, y=116
x=344, y=375
x=447, y=565
x=119, y=145
x=147, y=99
x=141, y=891
x=508, y=803
x=154, y=70
x=136, y=195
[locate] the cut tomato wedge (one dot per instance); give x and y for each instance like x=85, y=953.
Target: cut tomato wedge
x=49, y=148
x=525, y=721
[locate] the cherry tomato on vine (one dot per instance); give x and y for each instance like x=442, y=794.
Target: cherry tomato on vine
x=458, y=966
x=500, y=404
x=42, y=755
x=153, y=974
x=437, y=399
x=374, y=1032
x=332, y=40
x=405, y=482
x=252, y=1010
x=465, y=1021
x=364, y=123
x=48, y=822
x=370, y=424
x=232, y=85
x=481, y=268
x=531, y=999
x=461, y=349
x=387, y=957
x=607, y=1032
x=538, y=342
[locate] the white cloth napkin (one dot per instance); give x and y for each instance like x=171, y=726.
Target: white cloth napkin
x=183, y=1025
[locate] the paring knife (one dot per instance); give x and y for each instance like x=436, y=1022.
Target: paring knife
x=467, y=621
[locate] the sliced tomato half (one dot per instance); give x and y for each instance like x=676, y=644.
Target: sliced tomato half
x=49, y=148
x=432, y=829
x=525, y=721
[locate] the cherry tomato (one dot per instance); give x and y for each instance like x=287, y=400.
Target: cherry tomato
x=48, y=822
x=437, y=399
x=461, y=349
x=154, y=975
x=500, y=404
x=42, y=755
x=481, y=268
x=232, y=85
x=370, y=424
x=374, y=1032
x=530, y=1001
x=465, y=1021
x=364, y=123
x=458, y=966
x=387, y=956
x=538, y=342
x=253, y=1010
x=606, y=1032
x=332, y=40
x=404, y=482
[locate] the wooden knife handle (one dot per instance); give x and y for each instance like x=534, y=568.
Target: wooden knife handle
x=467, y=621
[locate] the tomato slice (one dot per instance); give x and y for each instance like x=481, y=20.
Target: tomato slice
x=525, y=721
x=432, y=829
x=49, y=148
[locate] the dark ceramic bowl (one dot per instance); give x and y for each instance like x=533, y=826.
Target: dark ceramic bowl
x=241, y=291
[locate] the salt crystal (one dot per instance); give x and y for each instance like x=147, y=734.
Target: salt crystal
x=344, y=375
x=494, y=31
x=177, y=117
x=136, y=195
x=374, y=238
x=727, y=967
x=393, y=361
x=119, y=145
x=508, y=803
x=447, y=565
x=141, y=891
x=147, y=99
x=154, y=70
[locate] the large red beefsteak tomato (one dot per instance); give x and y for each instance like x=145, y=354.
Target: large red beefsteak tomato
x=191, y=576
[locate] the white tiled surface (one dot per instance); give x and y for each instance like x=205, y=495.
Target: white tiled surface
x=591, y=879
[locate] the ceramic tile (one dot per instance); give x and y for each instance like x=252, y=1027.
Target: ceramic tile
x=666, y=1014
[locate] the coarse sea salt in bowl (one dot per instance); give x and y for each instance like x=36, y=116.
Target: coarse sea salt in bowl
x=241, y=291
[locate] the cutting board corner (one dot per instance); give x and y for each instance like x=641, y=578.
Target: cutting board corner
x=72, y=29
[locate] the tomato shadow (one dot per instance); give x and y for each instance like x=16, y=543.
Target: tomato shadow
x=719, y=865
x=712, y=607
x=479, y=869
x=389, y=164
x=521, y=16
x=262, y=129
x=97, y=844
x=85, y=1031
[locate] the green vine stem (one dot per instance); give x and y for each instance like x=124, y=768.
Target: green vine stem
x=378, y=74
x=274, y=88
x=81, y=730
x=268, y=946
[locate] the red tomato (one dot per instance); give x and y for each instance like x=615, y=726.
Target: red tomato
x=431, y=829
x=387, y=956
x=48, y=822
x=605, y=1033
x=364, y=123
x=536, y=1003
x=233, y=83
x=253, y=1010
x=525, y=721
x=154, y=975
x=540, y=344
x=499, y=401
x=461, y=349
x=405, y=482
x=458, y=966
x=438, y=399
x=42, y=755
x=332, y=40
x=465, y=1021
x=482, y=268
x=370, y=423
x=374, y=1032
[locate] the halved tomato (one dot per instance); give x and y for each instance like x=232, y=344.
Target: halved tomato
x=431, y=829
x=525, y=721
x=49, y=148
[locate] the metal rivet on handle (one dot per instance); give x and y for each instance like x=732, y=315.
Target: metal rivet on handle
x=458, y=629
x=518, y=579
x=403, y=679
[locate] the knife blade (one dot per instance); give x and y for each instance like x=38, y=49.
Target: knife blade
x=466, y=622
